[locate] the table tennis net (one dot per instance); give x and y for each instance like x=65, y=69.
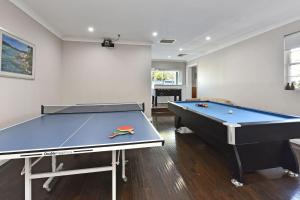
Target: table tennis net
x=90, y=108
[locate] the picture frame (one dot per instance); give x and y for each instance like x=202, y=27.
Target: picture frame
x=17, y=56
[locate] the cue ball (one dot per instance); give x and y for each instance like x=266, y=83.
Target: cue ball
x=230, y=112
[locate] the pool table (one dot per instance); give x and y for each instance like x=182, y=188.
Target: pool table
x=250, y=139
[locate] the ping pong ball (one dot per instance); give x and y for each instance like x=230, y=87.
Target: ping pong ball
x=230, y=111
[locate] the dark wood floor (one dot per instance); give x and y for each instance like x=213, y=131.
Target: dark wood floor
x=184, y=169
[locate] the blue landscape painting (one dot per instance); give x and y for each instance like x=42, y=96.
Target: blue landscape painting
x=17, y=57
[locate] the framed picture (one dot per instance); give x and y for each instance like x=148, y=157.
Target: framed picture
x=17, y=56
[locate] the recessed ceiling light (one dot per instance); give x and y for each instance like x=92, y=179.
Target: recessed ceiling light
x=180, y=49
x=208, y=38
x=91, y=29
x=169, y=56
x=154, y=34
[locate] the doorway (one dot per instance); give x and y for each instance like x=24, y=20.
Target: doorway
x=194, y=81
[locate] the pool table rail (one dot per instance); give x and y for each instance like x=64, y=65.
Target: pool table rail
x=252, y=132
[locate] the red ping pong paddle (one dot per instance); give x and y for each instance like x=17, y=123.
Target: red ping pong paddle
x=128, y=128
x=123, y=130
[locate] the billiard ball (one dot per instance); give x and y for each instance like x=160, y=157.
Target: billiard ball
x=203, y=105
x=230, y=112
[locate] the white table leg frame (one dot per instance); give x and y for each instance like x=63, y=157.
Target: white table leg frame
x=29, y=176
x=27, y=179
x=32, y=164
x=124, y=161
x=114, y=176
x=46, y=185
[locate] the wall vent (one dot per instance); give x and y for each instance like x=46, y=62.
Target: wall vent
x=182, y=54
x=167, y=41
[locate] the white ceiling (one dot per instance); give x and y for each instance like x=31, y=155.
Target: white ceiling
x=187, y=21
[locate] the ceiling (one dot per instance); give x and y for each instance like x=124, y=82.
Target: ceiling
x=186, y=21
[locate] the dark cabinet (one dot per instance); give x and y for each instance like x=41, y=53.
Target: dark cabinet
x=167, y=92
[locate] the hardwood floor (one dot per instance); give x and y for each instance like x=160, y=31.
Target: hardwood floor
x=184, y=169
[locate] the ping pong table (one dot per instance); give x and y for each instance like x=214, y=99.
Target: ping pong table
x=77, y=129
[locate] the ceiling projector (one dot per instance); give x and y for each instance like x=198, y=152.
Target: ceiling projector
x=109, y=43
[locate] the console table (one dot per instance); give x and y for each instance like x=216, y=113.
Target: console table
x=167, y=92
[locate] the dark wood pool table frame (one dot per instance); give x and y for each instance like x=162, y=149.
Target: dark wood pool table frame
x=247, y=146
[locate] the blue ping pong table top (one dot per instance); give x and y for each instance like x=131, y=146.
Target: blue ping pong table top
x=240, y=115
x=68, y=131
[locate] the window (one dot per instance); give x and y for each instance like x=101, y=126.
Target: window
x=166, y=78
x=292, y=61
x=293, y=67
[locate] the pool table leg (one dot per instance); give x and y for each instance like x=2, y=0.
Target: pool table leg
x=290, y=162
x=236, y=167
x=178, y=122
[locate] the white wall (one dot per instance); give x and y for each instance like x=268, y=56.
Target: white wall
x=92, y=74
x=250, y=73
x=21, y=99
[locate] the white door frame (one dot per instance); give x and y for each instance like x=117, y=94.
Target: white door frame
x=189, y=79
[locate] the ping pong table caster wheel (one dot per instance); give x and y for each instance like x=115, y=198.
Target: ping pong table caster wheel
x=236, y=183
x=125, y=179
x=291, y=174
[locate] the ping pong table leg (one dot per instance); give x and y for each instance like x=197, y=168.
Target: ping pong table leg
x=55, y=168
x=27, y=179
x=118, y=157
x=114, y=176
x=123, y=166
x=32, y=164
